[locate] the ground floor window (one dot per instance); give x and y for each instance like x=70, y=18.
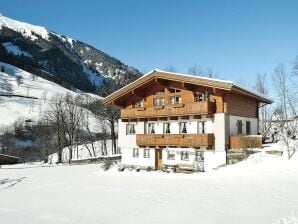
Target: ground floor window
x=184, y=155
x=248, y=130
x=239, y=127
x=146, y=153
x=135, y=152
x=171, y=155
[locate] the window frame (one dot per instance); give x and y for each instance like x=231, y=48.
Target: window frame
x=159, y=93
x=239, y=127
x=182, y=128
x=135, y=152
x=167, y=126
x=150, y=131
x=130, y=132
x=248, y=129
x=171, y=153
x=186, y=153
x=138, y=104
x=179, y=101
x=158, y=101
x=146, y=155
x=203, y=127
x=174, y=90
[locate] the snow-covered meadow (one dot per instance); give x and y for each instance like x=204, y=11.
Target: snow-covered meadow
x=262, y=189
x=14, y=108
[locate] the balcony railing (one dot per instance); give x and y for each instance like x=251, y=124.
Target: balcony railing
x=195, y=108
x=186, y=140
x=245, y=141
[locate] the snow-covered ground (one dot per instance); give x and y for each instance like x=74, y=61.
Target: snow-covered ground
x=262, y=189
x=83, y=152
x=13, y=108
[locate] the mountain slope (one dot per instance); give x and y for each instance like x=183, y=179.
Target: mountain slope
x=13, y=108
x=34, y=48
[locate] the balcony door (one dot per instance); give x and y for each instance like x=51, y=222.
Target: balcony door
x=158, y=159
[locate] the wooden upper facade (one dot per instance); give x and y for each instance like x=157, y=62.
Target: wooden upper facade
x=164, y=94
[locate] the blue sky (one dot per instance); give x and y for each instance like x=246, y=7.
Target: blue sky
x=237, y=39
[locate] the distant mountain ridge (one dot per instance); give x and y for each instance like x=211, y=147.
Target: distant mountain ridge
x=72, y=62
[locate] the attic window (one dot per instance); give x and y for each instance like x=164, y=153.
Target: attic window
x=161, y=92
x=138, y=104
x=175, y=90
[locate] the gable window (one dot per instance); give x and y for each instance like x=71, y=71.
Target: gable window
x=182, y=127
x=146, y=153
x=130, y=129
x=185, y=155
x=200, y=97
x=175, y=100
x=239, y=127
x=175, y=90
x=135, y=152
x=201, y=127
x=166, y=128
x=248, y=129
x=159, y=101
x=171, y=155
x=151, y=128
x=138, y=104
x=161, y=92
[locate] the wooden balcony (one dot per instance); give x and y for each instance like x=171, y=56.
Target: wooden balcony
x=245, y=141
x=179, y=140
x=195, y=108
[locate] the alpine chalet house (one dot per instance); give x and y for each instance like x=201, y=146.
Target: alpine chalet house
x=175, y=120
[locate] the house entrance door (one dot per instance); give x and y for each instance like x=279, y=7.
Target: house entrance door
x=158, y=159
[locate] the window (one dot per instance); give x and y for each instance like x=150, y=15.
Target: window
x=161, y=92
x=184, y=155
x=146, y=153
x=138, y=104
x=239, y=127
x=158, y=101
x=175, y=90
x=200, y=97
x=130, y=129
x=175, y=100
x=166, y=128
x=201, y=127
x=182, y=127
x=248, y=130
x=151, y=129
x=135, y=152
x=171, y=155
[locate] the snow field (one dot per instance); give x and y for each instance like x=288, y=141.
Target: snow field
x=262, y=189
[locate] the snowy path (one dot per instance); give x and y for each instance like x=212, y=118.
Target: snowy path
x=250, y=192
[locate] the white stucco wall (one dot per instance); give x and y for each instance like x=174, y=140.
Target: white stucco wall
x=178, y=156
x=212, y=159
x=129, y=160
x=129, y=141
x=219, y=128
x=191, y=125
x=253, y=125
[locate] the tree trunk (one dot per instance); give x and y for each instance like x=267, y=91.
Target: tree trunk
x=113, y=135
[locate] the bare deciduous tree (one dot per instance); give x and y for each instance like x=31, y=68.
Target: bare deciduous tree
x=265, y=117
x=109, y=113
x=286, y=107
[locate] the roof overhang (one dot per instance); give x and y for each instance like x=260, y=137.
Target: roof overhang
x=189, y=79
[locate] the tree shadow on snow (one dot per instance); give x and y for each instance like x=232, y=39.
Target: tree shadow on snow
x=7, y=183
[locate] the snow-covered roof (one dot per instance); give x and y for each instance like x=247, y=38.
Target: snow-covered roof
x=193, y=79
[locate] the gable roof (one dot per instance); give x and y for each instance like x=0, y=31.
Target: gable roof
x=185, y=78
